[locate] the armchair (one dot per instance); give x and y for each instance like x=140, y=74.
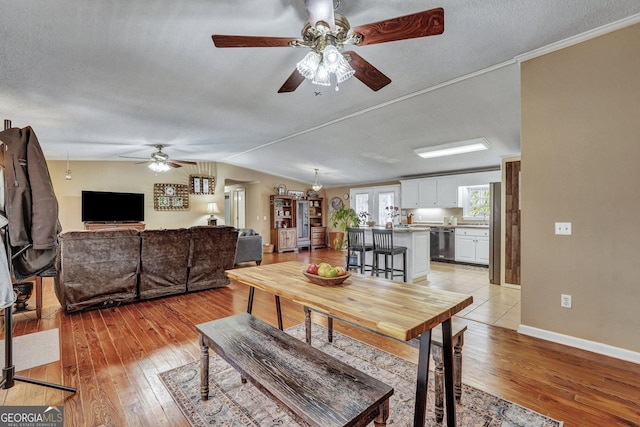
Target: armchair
x=249, y=246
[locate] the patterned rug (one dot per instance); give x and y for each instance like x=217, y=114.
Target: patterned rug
x=232, y=403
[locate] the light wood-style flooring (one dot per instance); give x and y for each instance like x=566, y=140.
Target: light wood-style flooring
x=113, y=356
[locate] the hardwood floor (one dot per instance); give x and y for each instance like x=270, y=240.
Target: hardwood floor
x=113, y=357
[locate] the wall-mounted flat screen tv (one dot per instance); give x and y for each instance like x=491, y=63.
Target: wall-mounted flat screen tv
x=104, y=206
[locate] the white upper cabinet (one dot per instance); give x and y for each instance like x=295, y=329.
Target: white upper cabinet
x=441, y=192
x=429, y=193
x=447, y=192
x=410, y=195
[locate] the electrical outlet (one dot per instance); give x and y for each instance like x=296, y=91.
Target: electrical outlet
x=563, y=228
x=565, y=301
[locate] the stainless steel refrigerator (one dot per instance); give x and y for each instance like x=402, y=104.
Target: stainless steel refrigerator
x=495, y=232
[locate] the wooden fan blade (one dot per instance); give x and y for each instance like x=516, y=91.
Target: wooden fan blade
x=140, y=163
x=173, y=164
x=421, y=24
x=292, y=83
x=367, y=73
x=250, y=41
x=184, y=162
x=320, y=10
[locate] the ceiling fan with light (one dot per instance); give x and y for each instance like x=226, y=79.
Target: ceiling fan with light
x=328, y=32
x=159, y=161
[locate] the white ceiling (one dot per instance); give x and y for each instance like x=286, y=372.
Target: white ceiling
x=107, y=78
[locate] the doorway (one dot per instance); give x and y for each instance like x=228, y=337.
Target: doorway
x=235, y=206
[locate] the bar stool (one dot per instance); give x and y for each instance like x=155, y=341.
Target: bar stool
x=355, y=243
x=383, y=245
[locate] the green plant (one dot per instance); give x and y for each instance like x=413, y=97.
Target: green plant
x=341, y=219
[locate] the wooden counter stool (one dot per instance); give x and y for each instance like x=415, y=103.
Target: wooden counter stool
x=383, y=245
x=355, y=243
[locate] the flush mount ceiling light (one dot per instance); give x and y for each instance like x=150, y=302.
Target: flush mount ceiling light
x=459, y=147
x=316, y=186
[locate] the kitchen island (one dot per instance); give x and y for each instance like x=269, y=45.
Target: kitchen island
x=416, y=240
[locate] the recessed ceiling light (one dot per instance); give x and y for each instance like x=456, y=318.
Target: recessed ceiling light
x=452, y=148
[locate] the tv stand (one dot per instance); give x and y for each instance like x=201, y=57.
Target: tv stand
x=106, y=225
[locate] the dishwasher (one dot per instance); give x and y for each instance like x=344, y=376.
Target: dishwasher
x=443, y=243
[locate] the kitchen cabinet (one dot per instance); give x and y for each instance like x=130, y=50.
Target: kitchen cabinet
x=472, y=245
x=287, y=240
x=409, y=194
x=429, y=193
x=447, y=192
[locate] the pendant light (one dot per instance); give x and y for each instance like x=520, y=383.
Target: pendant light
x=67, y=174
x=316, y=186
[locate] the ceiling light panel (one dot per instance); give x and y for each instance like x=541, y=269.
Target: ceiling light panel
x=453, y=148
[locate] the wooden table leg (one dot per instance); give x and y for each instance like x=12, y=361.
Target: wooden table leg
x=423, y=379
x=307, y=324
x=447, y=352
x=204, y=369
x=279, y=313
x=38, y=297
x=252, y=291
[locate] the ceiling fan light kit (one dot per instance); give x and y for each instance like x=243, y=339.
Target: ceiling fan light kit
x=328, y=32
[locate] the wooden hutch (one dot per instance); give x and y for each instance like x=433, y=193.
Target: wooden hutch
x=296, y=223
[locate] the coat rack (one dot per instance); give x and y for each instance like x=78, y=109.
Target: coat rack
x=8, y=371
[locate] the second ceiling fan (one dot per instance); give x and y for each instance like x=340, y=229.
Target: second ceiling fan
x=328, y=32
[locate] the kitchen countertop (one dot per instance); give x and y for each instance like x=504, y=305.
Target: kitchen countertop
x=404, y=228
x=450, y=226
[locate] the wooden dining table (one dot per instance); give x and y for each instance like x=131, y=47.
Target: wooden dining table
x=398, y=310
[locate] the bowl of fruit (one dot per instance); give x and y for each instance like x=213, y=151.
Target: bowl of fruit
x=326, y=275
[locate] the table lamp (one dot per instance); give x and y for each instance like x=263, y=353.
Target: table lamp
x=212, y=208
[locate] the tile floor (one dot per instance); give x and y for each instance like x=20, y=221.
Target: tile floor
x=492, y=304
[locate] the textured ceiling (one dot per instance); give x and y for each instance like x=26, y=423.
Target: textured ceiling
x=109, y=78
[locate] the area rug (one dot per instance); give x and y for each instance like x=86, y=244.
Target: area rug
x=33, y=350
x=232, y=403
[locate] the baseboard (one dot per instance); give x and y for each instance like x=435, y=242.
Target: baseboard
x=593, y=346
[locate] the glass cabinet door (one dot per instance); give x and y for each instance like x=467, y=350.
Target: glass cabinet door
x=302, y=219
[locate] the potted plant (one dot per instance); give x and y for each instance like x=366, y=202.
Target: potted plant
x=341, y=219
x=364, y=219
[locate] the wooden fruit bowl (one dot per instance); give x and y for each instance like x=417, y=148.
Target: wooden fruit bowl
x=326, y=281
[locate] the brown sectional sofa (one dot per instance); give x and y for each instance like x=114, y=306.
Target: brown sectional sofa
x=106, y=267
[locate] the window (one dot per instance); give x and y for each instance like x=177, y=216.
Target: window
x=374, y=200
x=476, y=202
x=385, y=199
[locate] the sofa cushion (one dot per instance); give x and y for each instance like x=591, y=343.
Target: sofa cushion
x=212, y=251
x=164, y=257
x=97, y=267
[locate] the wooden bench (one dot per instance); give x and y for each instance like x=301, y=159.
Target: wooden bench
x=457, y=338
x=315, y=387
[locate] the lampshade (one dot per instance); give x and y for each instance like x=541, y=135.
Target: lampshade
x=309, y=65
x=322, y=77
x=344, y=70
x=318, y=67
x=212, y=208
x=331, y=58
